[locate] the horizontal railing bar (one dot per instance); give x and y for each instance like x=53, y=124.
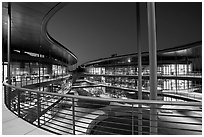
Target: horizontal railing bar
x=178, y=116
x=175, y=128
x=46, y=129
x=105, y=111
x=106, y=127
x=89, y=113
x=147, y=120
x=110, y=100
x=49, y=119
x=79, y=131
x=48, y=125
x=52, y=115
x=108, y=116
x=186, y=129
x=45, y=110
x=96, y=120
x=64, y=118
x=164, y=121
x=75, y=120
x=92, y=119
x=150, y=120
x=109, y=109
x=57, y=128
x=197, y=110
x=55, y=120
x=117, y=105
x=103, y=122
x=62, y=127
x=104, y=132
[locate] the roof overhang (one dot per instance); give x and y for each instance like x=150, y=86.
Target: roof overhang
x=29, y=30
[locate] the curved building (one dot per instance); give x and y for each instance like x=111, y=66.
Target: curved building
x=43, y=85
x=178, y=69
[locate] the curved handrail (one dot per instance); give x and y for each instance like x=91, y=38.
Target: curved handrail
x=131, y=101
x=73, y=114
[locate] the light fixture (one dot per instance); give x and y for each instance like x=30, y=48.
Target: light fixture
x=129, y=60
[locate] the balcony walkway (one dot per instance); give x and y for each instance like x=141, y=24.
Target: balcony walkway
x=188, y=94
x=146, y=76
x=13, y=125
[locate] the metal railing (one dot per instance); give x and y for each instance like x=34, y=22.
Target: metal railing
x=190, y=93
x=146, y=73
x=74, y=114
x=29, y=81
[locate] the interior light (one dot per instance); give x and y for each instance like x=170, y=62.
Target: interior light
x=129, y=60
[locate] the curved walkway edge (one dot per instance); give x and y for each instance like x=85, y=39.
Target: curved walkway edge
x=13, y=125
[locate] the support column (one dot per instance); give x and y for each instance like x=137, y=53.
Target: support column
x=8, y=55
x=153, y=64
x=139, y=68
x=2, y=69
x=176, y=81
x=187, y=72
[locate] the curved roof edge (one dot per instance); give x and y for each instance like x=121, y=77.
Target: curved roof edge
x=47, y=36
x=181, y=47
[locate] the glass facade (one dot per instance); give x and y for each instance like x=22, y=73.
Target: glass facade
x=172, y=75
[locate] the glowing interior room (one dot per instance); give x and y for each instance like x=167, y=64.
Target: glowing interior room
x=102, y=68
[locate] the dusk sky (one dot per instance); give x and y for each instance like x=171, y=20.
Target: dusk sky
x=97, y=30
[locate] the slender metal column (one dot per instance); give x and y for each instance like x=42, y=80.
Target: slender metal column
x=38, y=109
x=187, y=71
x=57, y=70
x=8, y=53
x=132, y=119
x=73, y=116
x=38, y=94
x=176, y=81
x=153, y=64
x=139, y=68
x=3, y=69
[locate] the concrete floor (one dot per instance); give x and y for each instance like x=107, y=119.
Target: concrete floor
x=13, y=125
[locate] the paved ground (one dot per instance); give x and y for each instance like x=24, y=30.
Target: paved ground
x=13, y=125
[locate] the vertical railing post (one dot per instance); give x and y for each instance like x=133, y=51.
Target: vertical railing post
x=21, y=81
x=62, y=71
x=18, y=105
x=153, y=64
x=73, y=116
x=176, y=80
x=38, y=94
x=8, y=54
x=5, y=95
x=132, y=119
x=38, y=109
x=57, y=70
x=187, y=72
x=3, y=69
x=139, y=69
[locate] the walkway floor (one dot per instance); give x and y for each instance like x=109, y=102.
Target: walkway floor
x=13, y=125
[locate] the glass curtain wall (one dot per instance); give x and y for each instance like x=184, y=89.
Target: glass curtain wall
x=171, y=76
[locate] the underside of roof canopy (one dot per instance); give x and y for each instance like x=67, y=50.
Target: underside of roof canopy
x=29, y=31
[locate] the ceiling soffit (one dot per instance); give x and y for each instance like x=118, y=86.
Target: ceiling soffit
x=28, y=30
